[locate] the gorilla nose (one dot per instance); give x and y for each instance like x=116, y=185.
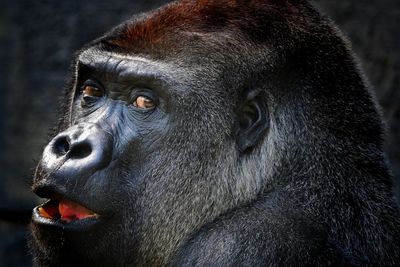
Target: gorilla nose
x=73, y=148
x=80, y=150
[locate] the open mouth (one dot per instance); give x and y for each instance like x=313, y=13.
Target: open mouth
x=65, y=211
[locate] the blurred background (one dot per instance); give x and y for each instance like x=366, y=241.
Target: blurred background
x=38, y=40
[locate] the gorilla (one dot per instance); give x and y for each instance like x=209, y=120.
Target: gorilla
x=217, y=133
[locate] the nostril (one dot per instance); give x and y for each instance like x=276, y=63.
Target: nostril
x=73, y=150
x=61, y=146
x=80, y=150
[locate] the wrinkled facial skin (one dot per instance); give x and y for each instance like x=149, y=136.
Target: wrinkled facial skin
x=99, y=162
x=118, y=166
x=83, y=164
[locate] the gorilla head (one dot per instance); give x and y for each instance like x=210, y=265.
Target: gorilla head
x=213, y=132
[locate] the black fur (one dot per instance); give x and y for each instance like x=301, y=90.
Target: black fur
x=265, y=148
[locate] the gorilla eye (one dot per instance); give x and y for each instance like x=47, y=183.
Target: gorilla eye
x=91, y=91
x=144, y=102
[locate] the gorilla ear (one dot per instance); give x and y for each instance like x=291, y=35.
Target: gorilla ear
x=253, y=120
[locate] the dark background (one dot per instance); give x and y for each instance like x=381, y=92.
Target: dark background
x=39, y=38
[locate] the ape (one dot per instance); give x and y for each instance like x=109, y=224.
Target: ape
x=217, y=132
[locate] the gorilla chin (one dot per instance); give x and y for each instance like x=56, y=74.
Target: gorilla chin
x=217, y=133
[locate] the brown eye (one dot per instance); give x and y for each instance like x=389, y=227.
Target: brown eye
x=144, y=102
x=91, y=91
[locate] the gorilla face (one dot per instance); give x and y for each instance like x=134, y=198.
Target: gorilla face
x=140, y=161
x=216, y=133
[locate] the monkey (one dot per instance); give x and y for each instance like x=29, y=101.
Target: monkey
x=217, y=133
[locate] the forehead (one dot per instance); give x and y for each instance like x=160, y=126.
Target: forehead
x=175, y=76
x=126, y=65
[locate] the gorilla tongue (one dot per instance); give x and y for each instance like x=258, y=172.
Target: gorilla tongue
x=71, y=211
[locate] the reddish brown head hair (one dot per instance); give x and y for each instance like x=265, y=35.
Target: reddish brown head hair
x=257, y=19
